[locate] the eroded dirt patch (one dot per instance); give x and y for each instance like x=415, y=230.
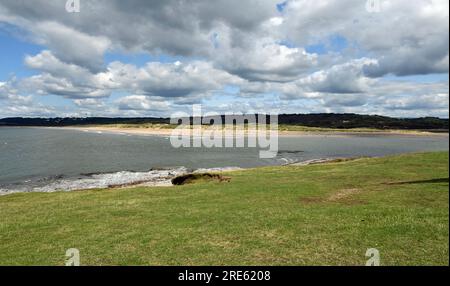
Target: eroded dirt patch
x=345, y=196
x=192, y=178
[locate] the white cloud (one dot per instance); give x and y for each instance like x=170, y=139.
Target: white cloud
x=343, y=78
x=90, y=103
x=72, y=46
x=141, y=102
x=245, y=44
x=438, y=101
x=169, y=80
x=265, y=60
x=407, y=37
x=164, y=80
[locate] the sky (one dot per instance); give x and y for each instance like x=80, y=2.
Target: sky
x=154, y=58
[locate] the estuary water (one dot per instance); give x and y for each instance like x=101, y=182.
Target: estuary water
x=46, y=159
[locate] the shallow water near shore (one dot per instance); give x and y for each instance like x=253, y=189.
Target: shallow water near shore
x=45, y=160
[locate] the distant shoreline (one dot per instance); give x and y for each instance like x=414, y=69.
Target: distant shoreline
x=283, y=133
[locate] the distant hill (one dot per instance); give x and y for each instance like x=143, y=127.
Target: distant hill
x=70, y=121
x=363, y=121
x=328, y=120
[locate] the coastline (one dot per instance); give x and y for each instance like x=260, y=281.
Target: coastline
x=114, y=180
x=278, y=205
x=153, y=178
x=162, y=177
x=168, y=132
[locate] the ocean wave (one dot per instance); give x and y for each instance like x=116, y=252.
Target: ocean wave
x=287, y=161
x=214, y=170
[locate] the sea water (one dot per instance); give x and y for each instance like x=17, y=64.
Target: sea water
x=49, y=159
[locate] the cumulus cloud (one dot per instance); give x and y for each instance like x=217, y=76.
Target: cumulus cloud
x=170, y=79
x=266, y=53
x=46, y=84
x=4, y=92
x=90, y=103
x=13, y=103
x=403, y=36
x=390, y=96
x=172, y=26
x=438, y=101
x=266, y=60
x=141, y=102
x=49, y=64
x=344, y=100
x=408, y=37
x=72, y=46
x=165, y=80
x=11, y=94
x=343, y=78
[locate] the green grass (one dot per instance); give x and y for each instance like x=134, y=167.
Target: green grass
x=300, y=128
x=315, y=215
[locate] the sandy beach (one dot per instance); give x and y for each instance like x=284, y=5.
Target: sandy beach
x=168, y=132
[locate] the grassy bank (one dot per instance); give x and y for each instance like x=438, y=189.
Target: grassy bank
x=315, y=215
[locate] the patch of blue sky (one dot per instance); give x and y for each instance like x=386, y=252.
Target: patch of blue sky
x=281, y=6
x=317, y=49
x=12, y=54
x=333, y=44
x=115, y=95
x=215, y=40
x=338, y=43
x=287, y=43
x=429, y=78
x=53, y=100
x=231, y=89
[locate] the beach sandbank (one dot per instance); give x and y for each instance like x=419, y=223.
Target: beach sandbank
x=168, y=132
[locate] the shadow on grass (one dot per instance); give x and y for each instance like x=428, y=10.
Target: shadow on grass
x=433, y=181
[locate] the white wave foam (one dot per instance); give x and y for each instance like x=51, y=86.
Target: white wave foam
x=287, y=161
x=217, y=170
x=100, y=181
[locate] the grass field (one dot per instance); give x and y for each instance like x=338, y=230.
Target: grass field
x=326, y=214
